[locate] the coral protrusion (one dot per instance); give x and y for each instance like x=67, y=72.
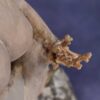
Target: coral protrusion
x=61, y=54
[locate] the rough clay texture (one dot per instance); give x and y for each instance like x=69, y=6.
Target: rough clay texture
x=59, y=88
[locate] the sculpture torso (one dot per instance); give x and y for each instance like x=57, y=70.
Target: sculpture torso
x=15, y=29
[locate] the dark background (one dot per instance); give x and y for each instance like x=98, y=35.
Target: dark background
x=80, y=19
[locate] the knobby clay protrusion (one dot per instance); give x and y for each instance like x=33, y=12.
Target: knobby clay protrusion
x=27, y=47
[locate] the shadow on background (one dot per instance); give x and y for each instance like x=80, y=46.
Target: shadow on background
x=80, y=19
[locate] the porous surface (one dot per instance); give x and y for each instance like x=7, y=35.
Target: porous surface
x=59, y=88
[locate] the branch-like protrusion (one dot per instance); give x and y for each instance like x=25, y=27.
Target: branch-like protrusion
x=58, y=51
x=61, y=54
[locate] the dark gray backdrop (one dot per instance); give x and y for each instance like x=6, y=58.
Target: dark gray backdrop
x=80, y=19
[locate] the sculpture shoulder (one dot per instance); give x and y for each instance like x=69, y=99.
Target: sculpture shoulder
x=20, y=3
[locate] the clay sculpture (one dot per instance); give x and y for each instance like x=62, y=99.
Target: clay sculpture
x=27, y=40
